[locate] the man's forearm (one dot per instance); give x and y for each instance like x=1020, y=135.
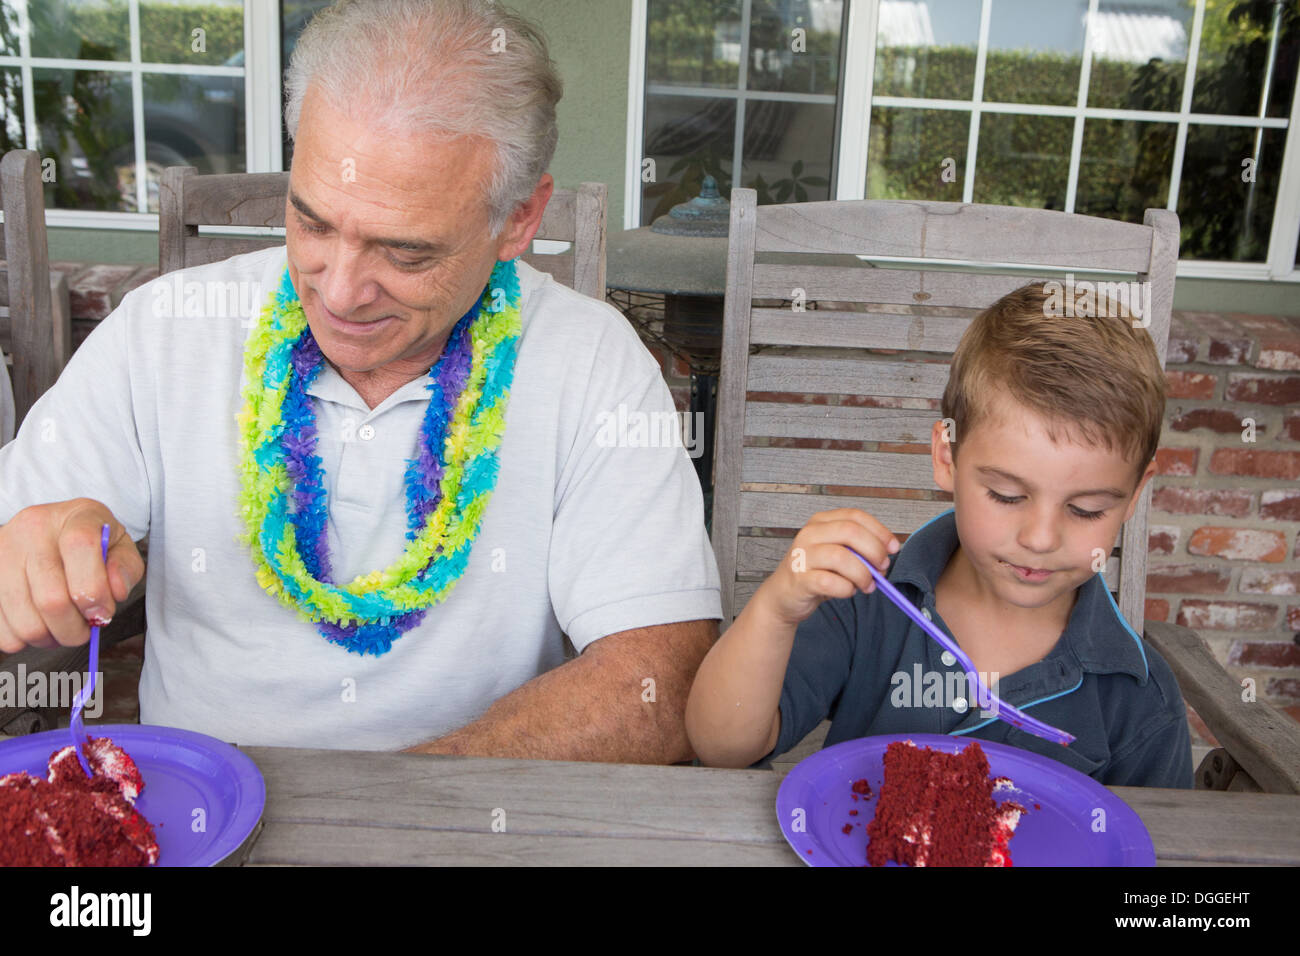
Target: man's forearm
x=622, y=701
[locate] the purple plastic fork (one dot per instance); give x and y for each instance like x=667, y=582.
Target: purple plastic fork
x=78, y=729
x=1011, y=715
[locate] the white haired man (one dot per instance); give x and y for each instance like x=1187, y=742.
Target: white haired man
x=376, y=506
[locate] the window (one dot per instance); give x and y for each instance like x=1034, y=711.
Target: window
x=746, y=91
x=1100, y=107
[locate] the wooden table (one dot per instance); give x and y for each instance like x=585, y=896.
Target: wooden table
x=329, y=807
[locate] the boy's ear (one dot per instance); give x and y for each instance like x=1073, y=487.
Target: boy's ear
x=941, y=456
x=1137, y=492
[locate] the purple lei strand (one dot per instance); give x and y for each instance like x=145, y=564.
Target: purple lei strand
x=310, y=511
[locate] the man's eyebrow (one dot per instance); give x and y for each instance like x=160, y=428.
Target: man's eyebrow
x=989, y=470
x=406, y=245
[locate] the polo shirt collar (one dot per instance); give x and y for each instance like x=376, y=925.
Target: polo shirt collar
x=1096, y=636
x=330, y=386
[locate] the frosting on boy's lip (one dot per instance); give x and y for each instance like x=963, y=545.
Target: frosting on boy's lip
x=1028, y=574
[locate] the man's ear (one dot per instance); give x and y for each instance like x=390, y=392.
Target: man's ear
x=942, y=457
x=1137, y=492
x=518, y=232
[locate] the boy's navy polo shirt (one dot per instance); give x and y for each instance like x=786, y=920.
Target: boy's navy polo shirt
x=859, y=661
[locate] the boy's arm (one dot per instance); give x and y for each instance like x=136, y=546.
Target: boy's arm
x=733, y=715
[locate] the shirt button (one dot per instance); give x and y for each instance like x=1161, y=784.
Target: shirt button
x=366, y=432
x=960, y=705
x=947, y=658
x=925, y=612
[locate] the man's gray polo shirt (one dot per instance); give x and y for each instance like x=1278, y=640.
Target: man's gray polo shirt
x=864, y=664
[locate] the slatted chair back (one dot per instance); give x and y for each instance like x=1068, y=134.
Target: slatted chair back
x=188, y=201
x=873, y=338
x=35, y=320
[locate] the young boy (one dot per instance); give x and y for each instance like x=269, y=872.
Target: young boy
x=1050, y=429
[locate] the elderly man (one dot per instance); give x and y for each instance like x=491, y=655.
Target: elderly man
x=377, y=504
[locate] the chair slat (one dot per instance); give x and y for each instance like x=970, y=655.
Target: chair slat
x=815, y=372
x=915, y=333
x=200, y=250
x=811, y=466
x=559, y=266
x=236, y=199
x=863, y=282
x=768, y=509
x=558, y=223
x=840, y=422
x=955, y=231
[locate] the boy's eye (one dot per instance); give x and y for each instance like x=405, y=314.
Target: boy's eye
x=1088, y=515
x=1003, y=499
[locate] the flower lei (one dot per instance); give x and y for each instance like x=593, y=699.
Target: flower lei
x=448, y=483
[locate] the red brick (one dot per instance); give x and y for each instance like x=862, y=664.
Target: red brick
x=1279, y=340
x=1181, y=350
x=1228, y=351
x=1187, y=579
x=1226, y=615
x=1156, y=609
x=1264, y=389
x=681, y=397
x=1191, y=384
x=1293, y=617
x=1176, y=461
x=1280, y=504
x=681, y=367
x=1283, y=688
x=1238, y=544
x=1256, y=464
x=1264, y=654
x=91, y=296
x=1198, y=501
x=1291, y=426
x=1163, y=539
x=1294, y=712
x=1262, y=581
x=1221, y=420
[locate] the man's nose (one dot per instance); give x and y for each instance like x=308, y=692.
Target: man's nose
x=345, y=284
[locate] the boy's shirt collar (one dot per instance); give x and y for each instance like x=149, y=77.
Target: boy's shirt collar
x=1097, y=638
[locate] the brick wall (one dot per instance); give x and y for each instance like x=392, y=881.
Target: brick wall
x=1224, y=542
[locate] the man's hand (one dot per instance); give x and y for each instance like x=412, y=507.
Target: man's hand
x=622, y=701
x=53, y=580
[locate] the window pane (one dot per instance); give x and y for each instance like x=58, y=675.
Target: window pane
x=9, y=29
x=926, y=48
x=1139, y=55
x=781, y=59
x=1034, y=53
x=693, y=42
x=80, y=29
x=788, y=150
x=1234, y=57
x=83, y=120
x=11, y=104
x=192, y=121
x=917, y=154
x=294, y=17
x=687, y=137
x=1223, y=215
x=1023, y=160
x=207, y=32
x=1124, y=168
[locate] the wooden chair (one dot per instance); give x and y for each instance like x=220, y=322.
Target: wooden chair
x=188, y=200
x=879, y=354
x=35, y=317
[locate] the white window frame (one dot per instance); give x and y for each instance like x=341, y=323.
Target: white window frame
x=854, y=134
x=263, y=149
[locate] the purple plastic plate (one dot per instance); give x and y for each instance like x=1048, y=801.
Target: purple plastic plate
x=1078, y=821
x=184, y=772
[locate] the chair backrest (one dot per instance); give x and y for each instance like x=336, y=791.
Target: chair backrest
x=188, y=200
x=35, y=324
x=879, y=355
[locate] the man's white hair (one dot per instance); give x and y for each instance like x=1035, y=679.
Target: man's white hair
x=450, y=67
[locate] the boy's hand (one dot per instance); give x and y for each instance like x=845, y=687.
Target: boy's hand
x=819, y=564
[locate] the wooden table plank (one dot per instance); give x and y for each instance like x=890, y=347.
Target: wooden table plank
x=364, y=808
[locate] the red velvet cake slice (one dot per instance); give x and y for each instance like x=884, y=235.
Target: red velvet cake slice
x=937, y=809
x=73, y=820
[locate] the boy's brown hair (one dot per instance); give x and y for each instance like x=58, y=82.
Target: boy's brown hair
x=1094, y=375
